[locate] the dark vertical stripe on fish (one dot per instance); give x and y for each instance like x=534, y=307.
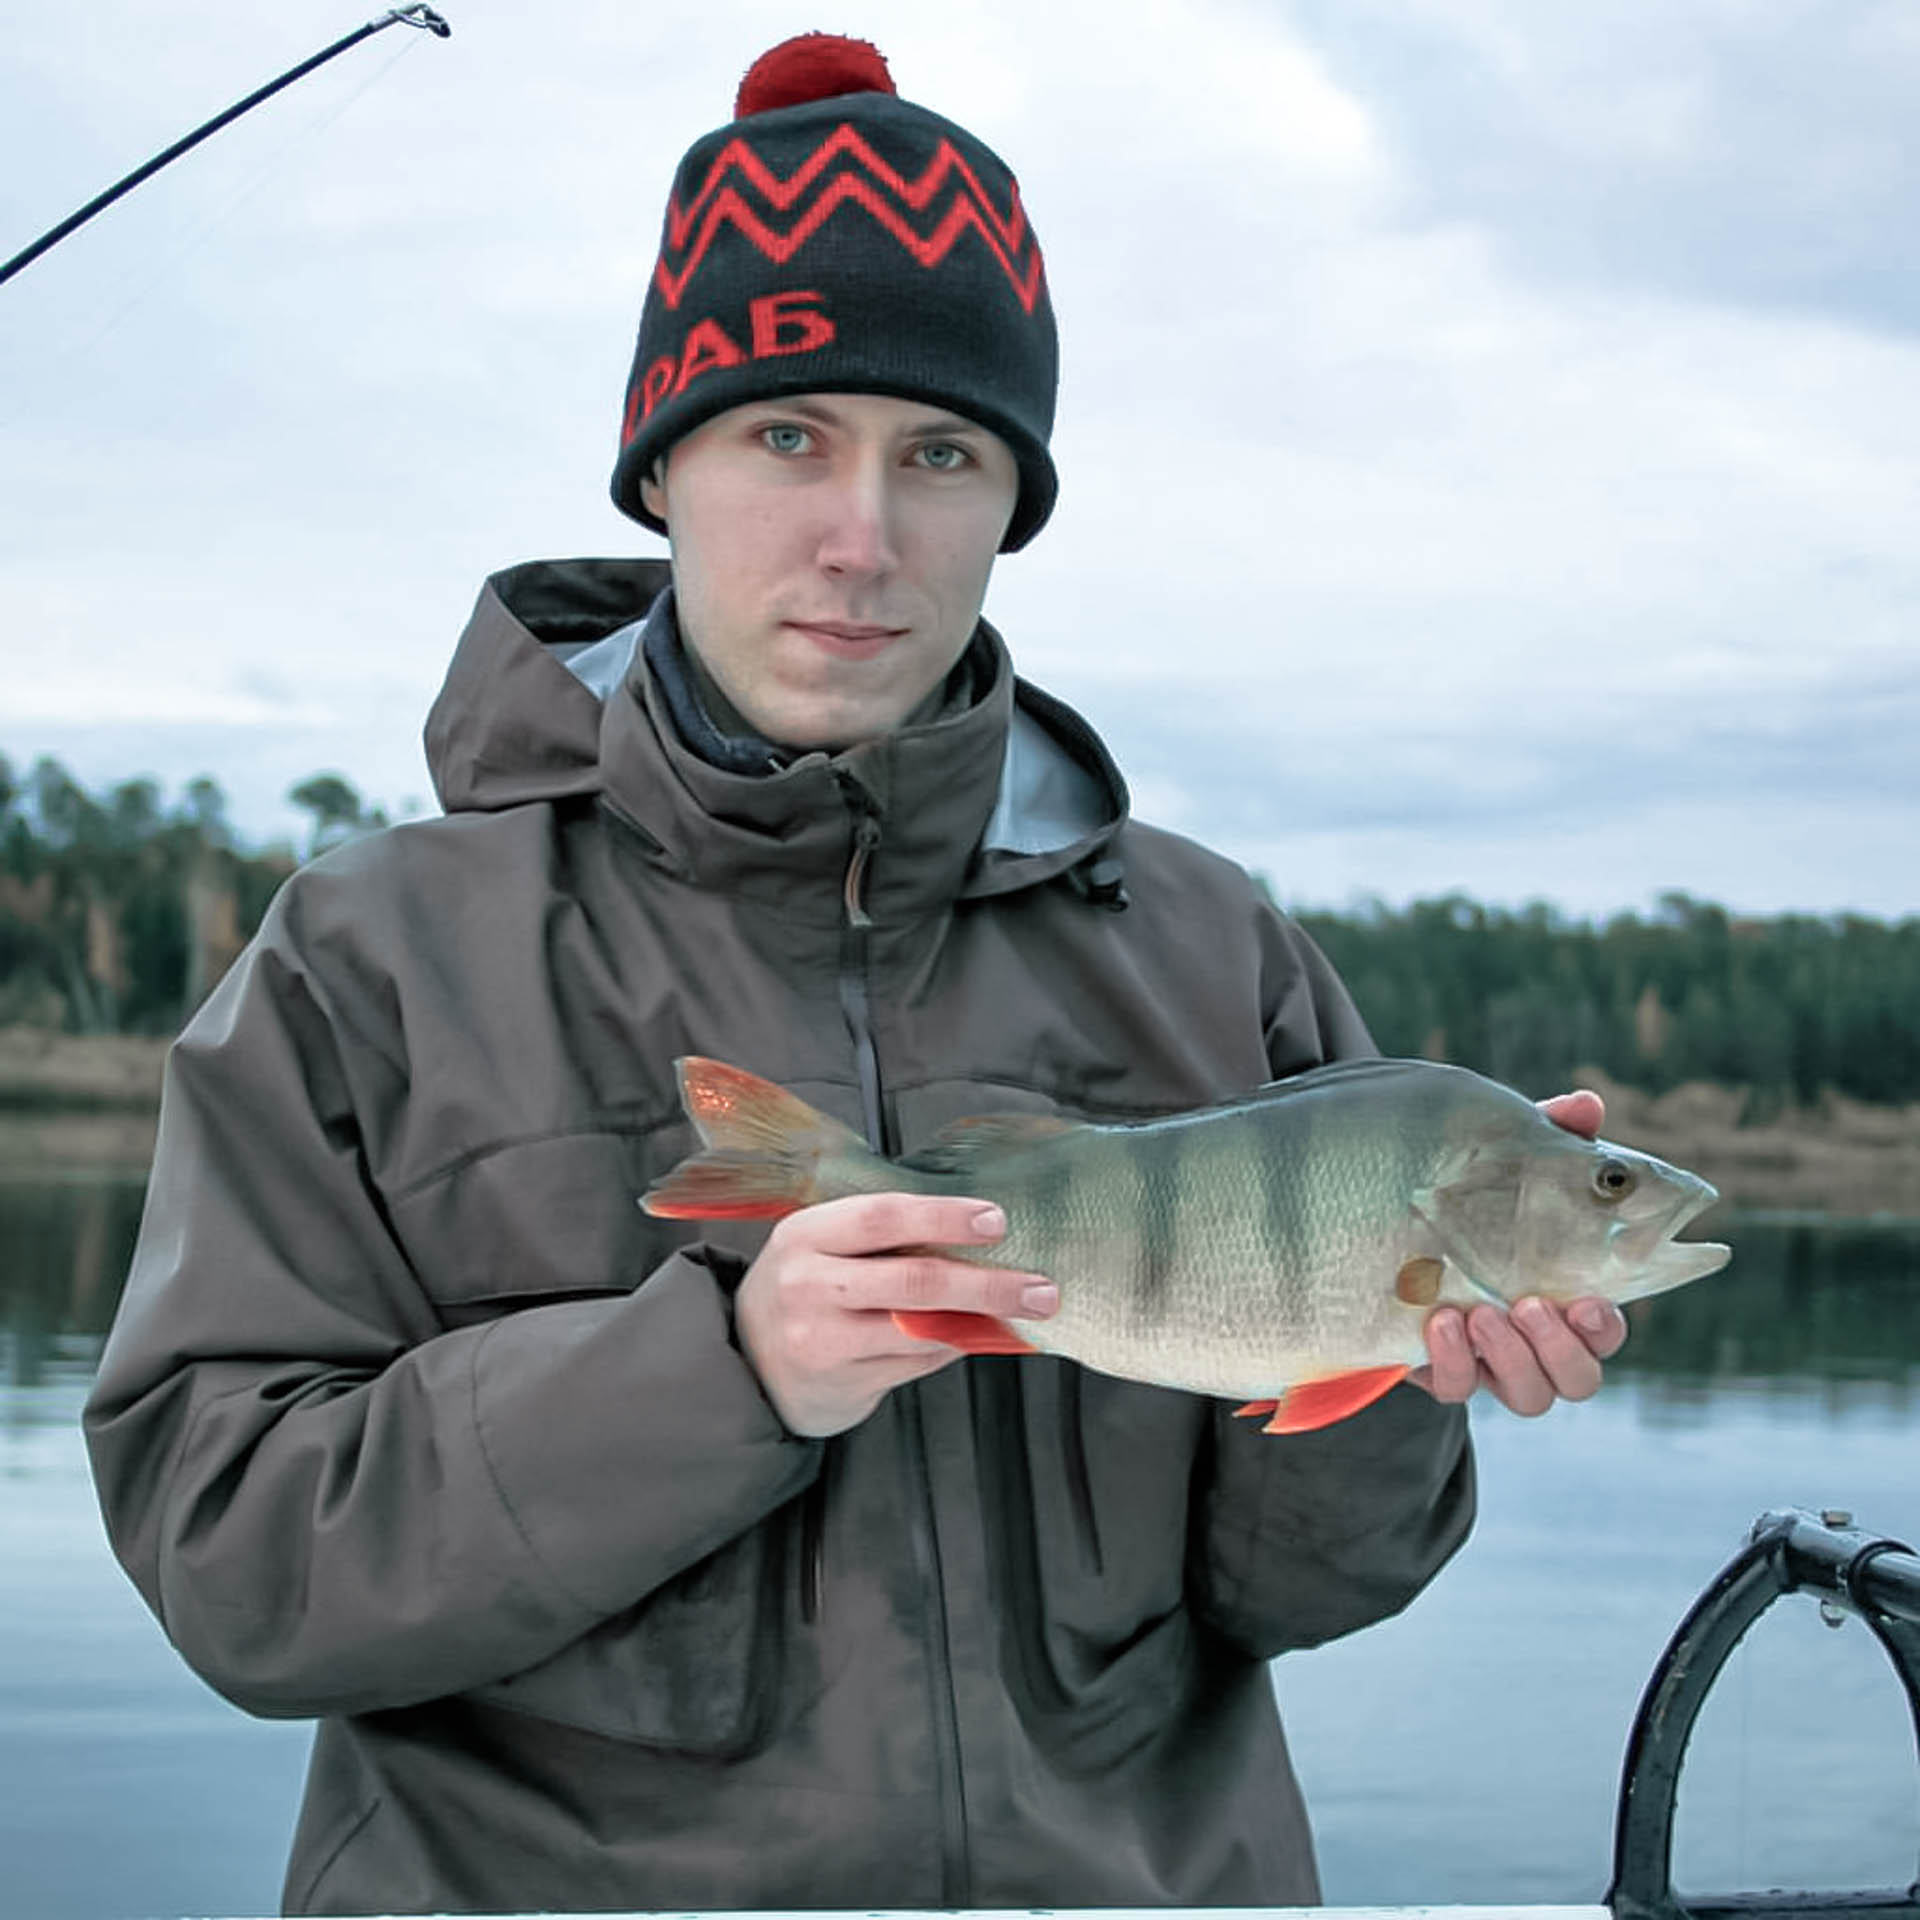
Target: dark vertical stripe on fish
x=1045, y=1228
x=1158, y=1161
x=1282, y=1183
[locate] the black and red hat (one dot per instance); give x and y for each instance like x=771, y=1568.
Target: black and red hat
x=833, y=237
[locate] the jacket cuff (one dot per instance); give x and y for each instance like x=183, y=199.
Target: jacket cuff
x=628, y=1438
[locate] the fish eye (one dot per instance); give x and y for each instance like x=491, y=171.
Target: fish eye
x=1614, y=1180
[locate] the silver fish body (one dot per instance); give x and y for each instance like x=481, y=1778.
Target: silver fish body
x=1301, y=1232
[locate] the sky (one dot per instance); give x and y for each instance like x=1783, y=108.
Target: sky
x=1489, y=432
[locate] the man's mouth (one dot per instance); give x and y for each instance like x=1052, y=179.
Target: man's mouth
x=855, y=639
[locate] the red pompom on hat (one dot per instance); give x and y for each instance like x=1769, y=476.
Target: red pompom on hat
x=811, y=66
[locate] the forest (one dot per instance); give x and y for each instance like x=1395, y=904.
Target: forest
x=119, y=912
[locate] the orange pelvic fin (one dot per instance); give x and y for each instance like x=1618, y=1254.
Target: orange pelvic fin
x=1319, y=1403
x=970, y=1332
x=763, y=1146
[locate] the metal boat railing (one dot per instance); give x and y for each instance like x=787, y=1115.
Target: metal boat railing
x=1848, y=1571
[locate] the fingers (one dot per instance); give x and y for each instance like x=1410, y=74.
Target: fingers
x=930, y=1283
x=1582, y=1112
x=1601, y=1326
x=814, y=1313
x=881, y=1252
x=1453, y=1370
x=1527, y=1359
x=864, y=1223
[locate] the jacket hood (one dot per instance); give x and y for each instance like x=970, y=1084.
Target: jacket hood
x=550, y=696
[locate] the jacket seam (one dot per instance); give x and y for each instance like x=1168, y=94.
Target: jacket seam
x=487, y=1150
x=327, y=1865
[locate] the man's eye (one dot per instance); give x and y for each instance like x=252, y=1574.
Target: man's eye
x=943, y=456
x=782, y=438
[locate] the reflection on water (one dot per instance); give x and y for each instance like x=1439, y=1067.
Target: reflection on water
x=1828, y=1308
x=66, y=1250
x=1468, y=1751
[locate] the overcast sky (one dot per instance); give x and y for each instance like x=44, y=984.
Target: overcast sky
x=1489, y=435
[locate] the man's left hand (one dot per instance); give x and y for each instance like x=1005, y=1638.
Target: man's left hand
x=1539, y=1352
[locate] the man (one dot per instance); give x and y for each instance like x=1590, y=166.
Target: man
x=627, y=1571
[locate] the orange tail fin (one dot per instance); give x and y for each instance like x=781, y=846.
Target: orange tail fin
x=762, y=1148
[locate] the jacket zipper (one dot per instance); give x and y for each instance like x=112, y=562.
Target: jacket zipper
x=956, y=1879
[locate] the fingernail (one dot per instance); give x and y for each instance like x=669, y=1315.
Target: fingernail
x=989, y=1223
x=1039, y=1298
x=1591, y=1317
x=1533, y=1315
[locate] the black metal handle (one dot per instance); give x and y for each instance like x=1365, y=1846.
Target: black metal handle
x=1786, y=1552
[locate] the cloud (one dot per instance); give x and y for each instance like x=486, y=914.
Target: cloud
x=1758, y=155
x=1467, y=404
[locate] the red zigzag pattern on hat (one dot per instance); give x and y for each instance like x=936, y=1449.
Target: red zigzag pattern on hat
x=715, y=204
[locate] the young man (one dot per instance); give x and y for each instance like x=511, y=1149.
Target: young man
x=628, y=1570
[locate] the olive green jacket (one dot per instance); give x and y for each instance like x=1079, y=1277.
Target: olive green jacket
x=412, y=1421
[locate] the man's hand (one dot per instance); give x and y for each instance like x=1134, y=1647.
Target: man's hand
x=1540, y=1352
x=815, y=1312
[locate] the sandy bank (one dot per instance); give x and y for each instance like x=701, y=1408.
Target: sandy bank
x=77, y=1104
x=67, y=1071
x=1838, y=1156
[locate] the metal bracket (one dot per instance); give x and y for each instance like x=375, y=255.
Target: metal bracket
x=1788, y=1551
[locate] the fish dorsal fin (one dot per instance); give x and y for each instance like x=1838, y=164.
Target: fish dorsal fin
x=964, y=1143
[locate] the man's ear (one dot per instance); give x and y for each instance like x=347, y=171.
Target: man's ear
x=653, y=488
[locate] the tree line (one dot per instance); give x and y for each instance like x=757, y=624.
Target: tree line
x=118, y=912
x=1786, y=1006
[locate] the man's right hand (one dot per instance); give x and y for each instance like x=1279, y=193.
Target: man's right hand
x=815, y=1312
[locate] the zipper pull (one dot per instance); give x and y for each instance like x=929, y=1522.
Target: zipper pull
x=866, y=837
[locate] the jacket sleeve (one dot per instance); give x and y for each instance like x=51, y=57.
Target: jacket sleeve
x=1302, y=1538
x=334, y=1502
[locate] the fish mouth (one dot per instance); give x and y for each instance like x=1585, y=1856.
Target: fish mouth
x=1664, y=1260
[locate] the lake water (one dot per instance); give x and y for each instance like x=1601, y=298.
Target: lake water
x=1466, y=1752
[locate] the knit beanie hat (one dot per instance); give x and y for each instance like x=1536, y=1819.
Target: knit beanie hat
x=833, y=237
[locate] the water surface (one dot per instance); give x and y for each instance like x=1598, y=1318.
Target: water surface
x=1468, y=1751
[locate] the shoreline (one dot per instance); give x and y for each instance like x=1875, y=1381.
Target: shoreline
x=84, y=1106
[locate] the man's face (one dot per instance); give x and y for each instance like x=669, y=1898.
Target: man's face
x=830, y=555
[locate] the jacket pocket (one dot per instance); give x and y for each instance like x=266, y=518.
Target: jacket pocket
x=552, y=1216
x=1087, y=1544
x=695, y=1667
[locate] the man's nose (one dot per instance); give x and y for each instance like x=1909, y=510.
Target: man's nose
x=858, y=539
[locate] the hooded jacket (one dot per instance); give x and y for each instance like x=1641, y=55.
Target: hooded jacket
x=413, y=1422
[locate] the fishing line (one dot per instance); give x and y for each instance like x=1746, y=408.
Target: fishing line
x=193, y=237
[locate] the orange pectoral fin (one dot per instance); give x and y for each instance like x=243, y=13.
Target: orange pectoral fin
x=1319, y=1403
x=970, y=1332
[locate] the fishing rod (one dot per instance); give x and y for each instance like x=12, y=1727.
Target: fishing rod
x=416, y=16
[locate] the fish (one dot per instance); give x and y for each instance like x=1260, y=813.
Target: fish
x=1283, y=1248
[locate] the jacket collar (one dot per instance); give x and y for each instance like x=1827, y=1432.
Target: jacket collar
x=1010, y=790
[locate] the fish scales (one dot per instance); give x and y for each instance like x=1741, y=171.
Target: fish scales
x=1196, y=1242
